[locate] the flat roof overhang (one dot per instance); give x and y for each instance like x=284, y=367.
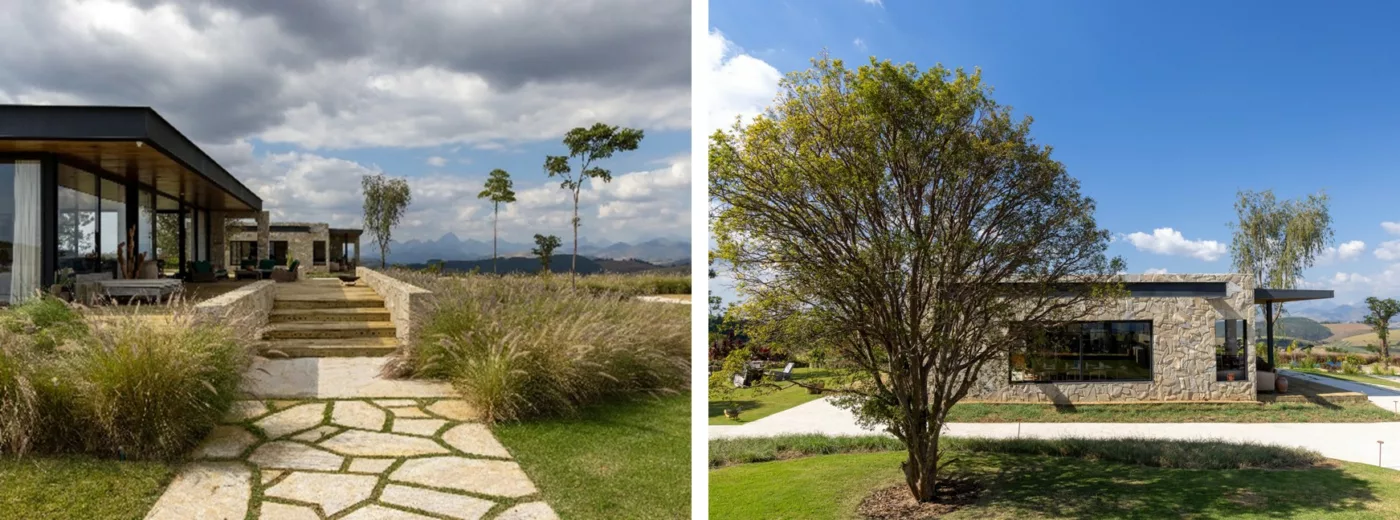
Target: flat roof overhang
x=1290, y=295
x=346, y=231
x=135, y=142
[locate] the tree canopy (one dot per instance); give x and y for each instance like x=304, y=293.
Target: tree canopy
x=386, y=200
x=915, y=218
x=588, y=146
x=1276, y=240
x=499, y=190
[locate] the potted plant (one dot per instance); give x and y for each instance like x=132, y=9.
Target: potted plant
x=732, y=413
x=1229, y=376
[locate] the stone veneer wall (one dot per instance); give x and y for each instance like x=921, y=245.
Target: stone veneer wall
x=409, y=305
x=299, y=245
x=1183, y=351
x=248, y=306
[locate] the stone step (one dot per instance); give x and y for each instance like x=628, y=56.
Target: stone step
x=322, y=315
x=329, y=330
x=323, y=303
x=320, y=348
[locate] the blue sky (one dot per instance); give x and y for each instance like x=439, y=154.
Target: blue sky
x=1162, y=110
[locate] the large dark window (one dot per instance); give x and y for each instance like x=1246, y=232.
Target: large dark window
x=318, y=252
x=1083, y=351
x=78, y=211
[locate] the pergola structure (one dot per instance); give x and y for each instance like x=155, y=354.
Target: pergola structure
x=1268, y=297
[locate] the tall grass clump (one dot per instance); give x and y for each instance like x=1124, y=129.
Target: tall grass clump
x=111, y=382
x=640, y=284
x=523, y=346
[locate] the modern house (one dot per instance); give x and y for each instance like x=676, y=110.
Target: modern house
x=78, y=181
x=1175, y=337
x=320, y=247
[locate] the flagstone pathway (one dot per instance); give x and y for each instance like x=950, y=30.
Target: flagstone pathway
x=364, y=459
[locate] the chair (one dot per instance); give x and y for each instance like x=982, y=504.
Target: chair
x=785, y=375
x=265, y=266
x=288, y=275
x=202, y=271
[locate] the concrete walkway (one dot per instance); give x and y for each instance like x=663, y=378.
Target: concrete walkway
x=1354, y=442
x=1382, y=396
x=372, y=459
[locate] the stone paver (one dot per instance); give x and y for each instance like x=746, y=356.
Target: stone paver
x=316, y=434
x=425, y=427
x=333, y=492
x=437, y=502
x=375, y=444
x=409, y=412
x=476, y=439
x=358, y=414
x=529, y=511
x=291, y=455
x=335, y=462
x=378, y=512
x=293, y=419
x=276, y=511
x=213, y=490
x=225, y=442
x=390, y=403
x=370, y=465
x=488, y=477
x=244, y=410
x=332, y=378
x=455, y=409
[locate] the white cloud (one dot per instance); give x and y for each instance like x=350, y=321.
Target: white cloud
x=1346, y=251
x=859, y=43
x=1156, y=270
x=740, y=86
x=437, y=161
x=1388, y=251
x=1391, y=227
x=877, y=3
x=1167, y=241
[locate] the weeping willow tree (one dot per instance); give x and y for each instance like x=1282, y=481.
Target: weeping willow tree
x=1276, y=240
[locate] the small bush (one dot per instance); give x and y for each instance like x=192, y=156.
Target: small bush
x=19, y=403
x=521, y=346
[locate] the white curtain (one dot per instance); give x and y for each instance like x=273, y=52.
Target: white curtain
x=24, y=275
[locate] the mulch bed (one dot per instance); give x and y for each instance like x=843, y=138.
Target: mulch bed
x=896, y=503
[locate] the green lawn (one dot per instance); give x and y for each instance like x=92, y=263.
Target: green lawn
x=757, y=403
x=1195, y=412
x=627, y=459
x=1357, y=378
x=68, y=487
x=1037, y=486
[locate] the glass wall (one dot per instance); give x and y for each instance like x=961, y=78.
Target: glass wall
x=146, y=223
x=112, y=221
x=78, y=211
x=20, y=230
x=1083, y=351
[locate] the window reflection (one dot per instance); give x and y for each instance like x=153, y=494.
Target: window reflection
x=1082, y=351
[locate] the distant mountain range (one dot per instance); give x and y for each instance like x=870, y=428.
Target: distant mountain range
x=560, y=264
x=449, y=247
x=1324, y=312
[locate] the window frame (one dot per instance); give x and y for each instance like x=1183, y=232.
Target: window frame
x=1151, y=357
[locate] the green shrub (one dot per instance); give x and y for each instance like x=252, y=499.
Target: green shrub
x=522, y=346
x=1178, y=454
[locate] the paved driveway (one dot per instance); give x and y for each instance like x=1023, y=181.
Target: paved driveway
x=1355, y=442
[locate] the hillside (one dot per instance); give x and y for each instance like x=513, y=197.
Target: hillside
x=1346, y=330
x=1370, y=338
x=560, y=264
x=1304, y=329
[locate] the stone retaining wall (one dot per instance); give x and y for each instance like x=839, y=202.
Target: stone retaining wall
x=1183, y=352
x=245, y=308
x=409, y=305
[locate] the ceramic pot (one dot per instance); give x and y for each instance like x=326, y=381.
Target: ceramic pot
x=1281, y=385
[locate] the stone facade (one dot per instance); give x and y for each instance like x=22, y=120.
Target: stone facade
x=300, y=244
x=1183, y=351
x=249, y=306
x=409, y=305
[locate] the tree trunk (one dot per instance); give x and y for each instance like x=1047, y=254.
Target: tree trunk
x=495, y=218
x=1385, y=351
x=573, y=262
x=921, y=466
x=383, y=256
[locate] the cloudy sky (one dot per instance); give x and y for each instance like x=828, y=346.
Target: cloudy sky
x=300, y=98
x=1161, y=130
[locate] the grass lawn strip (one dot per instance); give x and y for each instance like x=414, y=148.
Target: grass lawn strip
x=623, y=459
x=1172, y=413
x=757, y=403
x=67, y=487
x=318, y=466
x=1024, y=482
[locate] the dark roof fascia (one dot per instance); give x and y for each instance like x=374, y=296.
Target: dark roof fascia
x=1266, y=295
x=117, y=123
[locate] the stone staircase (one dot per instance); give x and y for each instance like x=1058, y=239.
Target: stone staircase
x=313, y=318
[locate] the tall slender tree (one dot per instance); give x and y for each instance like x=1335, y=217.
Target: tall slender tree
x=915, y=218
x=1382, y=311
x=588, y=146
x=1276, y=240
x=498, y=189
x=386, y=199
